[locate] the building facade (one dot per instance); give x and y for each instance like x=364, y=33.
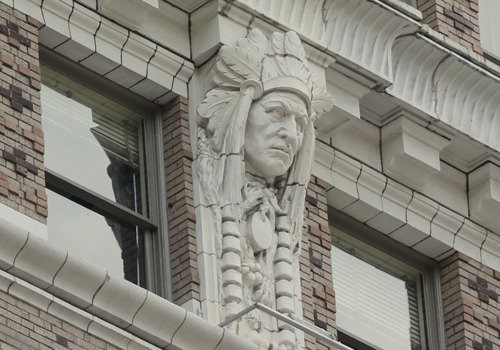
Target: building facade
x=124, y=193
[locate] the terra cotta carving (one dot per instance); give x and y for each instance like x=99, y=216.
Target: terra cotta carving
x=255, y=150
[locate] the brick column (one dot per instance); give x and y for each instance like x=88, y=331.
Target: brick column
x=457, y=19
x=22, y=178
x=318, y=296
x=471, y=304
x=181, y=217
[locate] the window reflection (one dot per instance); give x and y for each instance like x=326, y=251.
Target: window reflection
x=111, y=245
x=98, y=152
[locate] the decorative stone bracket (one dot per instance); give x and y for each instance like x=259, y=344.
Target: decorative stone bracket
x=484, y=195
x=346, y=93
x=410, y=152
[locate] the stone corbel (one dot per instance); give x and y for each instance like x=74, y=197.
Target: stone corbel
x=131, y=13
x=484, y=195
x=411, y=152
x=346, y=93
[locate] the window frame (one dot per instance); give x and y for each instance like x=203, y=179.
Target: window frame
x=431, y=286
x=487, y=26
x=154, y=224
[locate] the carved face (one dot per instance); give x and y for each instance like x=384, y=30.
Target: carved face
x=274, y=132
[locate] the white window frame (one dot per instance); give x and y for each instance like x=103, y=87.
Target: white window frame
x=431, y=288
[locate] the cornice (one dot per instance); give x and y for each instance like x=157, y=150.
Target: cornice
x=307, y=20
x=114, y=308
x=363, y=33
x=109, y=49
x=448, y=88
x=406, y=215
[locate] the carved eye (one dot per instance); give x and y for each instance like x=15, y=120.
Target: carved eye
x=276, y=113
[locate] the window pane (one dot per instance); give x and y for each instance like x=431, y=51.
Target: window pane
x=114, y=246
x=371, y=304
x=98, y=152
x=377, y=295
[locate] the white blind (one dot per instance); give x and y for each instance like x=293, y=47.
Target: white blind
x=372, y=305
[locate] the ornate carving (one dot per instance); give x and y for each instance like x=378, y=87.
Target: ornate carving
x=255, y=148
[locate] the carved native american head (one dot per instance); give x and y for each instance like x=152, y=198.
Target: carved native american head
x=255, y=150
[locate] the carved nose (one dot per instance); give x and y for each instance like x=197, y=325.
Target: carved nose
x=288, y=131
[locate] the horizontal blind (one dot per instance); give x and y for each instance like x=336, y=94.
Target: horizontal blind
x=372, y=306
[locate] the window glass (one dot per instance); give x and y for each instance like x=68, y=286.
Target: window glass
x=95, y=173
x=377, y=296
x=489, y=26
x=116, y=247
x=98, y=152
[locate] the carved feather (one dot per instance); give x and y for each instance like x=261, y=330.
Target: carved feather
x=215, y=101
x=225, y=76
x=293, y=46
x=277, y=44
x=321, y=103
x=238, y=59
x=260, y=41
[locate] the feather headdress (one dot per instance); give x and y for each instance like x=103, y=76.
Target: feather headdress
x=278, y=63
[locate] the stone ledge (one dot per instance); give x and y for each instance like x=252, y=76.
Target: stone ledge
x=26, y=258
x=406, y=215
x=129, y=59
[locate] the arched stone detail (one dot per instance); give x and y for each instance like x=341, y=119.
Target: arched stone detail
x=447, y=88
x=468, y=101
x=364, y=33
x=414, y=66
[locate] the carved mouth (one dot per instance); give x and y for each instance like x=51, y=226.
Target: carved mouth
x=284, y=149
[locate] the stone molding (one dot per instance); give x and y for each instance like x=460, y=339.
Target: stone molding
x=109, y=49
x=484, y=195
x=54, y=306
x=410, y=151
x=295, y=15
x=351, y=24
x=27, y=261
x=131, y=13
x=448, y=88
x=400, y=212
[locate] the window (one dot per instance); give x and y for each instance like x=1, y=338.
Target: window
x=99, y=166
x=489, y=27
x=386, y=294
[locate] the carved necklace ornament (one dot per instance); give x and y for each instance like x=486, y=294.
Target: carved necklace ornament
x=255, y=150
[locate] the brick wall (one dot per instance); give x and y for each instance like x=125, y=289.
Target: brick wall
x=457, y=19
x=24, y=327
x=318, y=295
x=181, y=218
x=471, y=304
x=22, y=178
